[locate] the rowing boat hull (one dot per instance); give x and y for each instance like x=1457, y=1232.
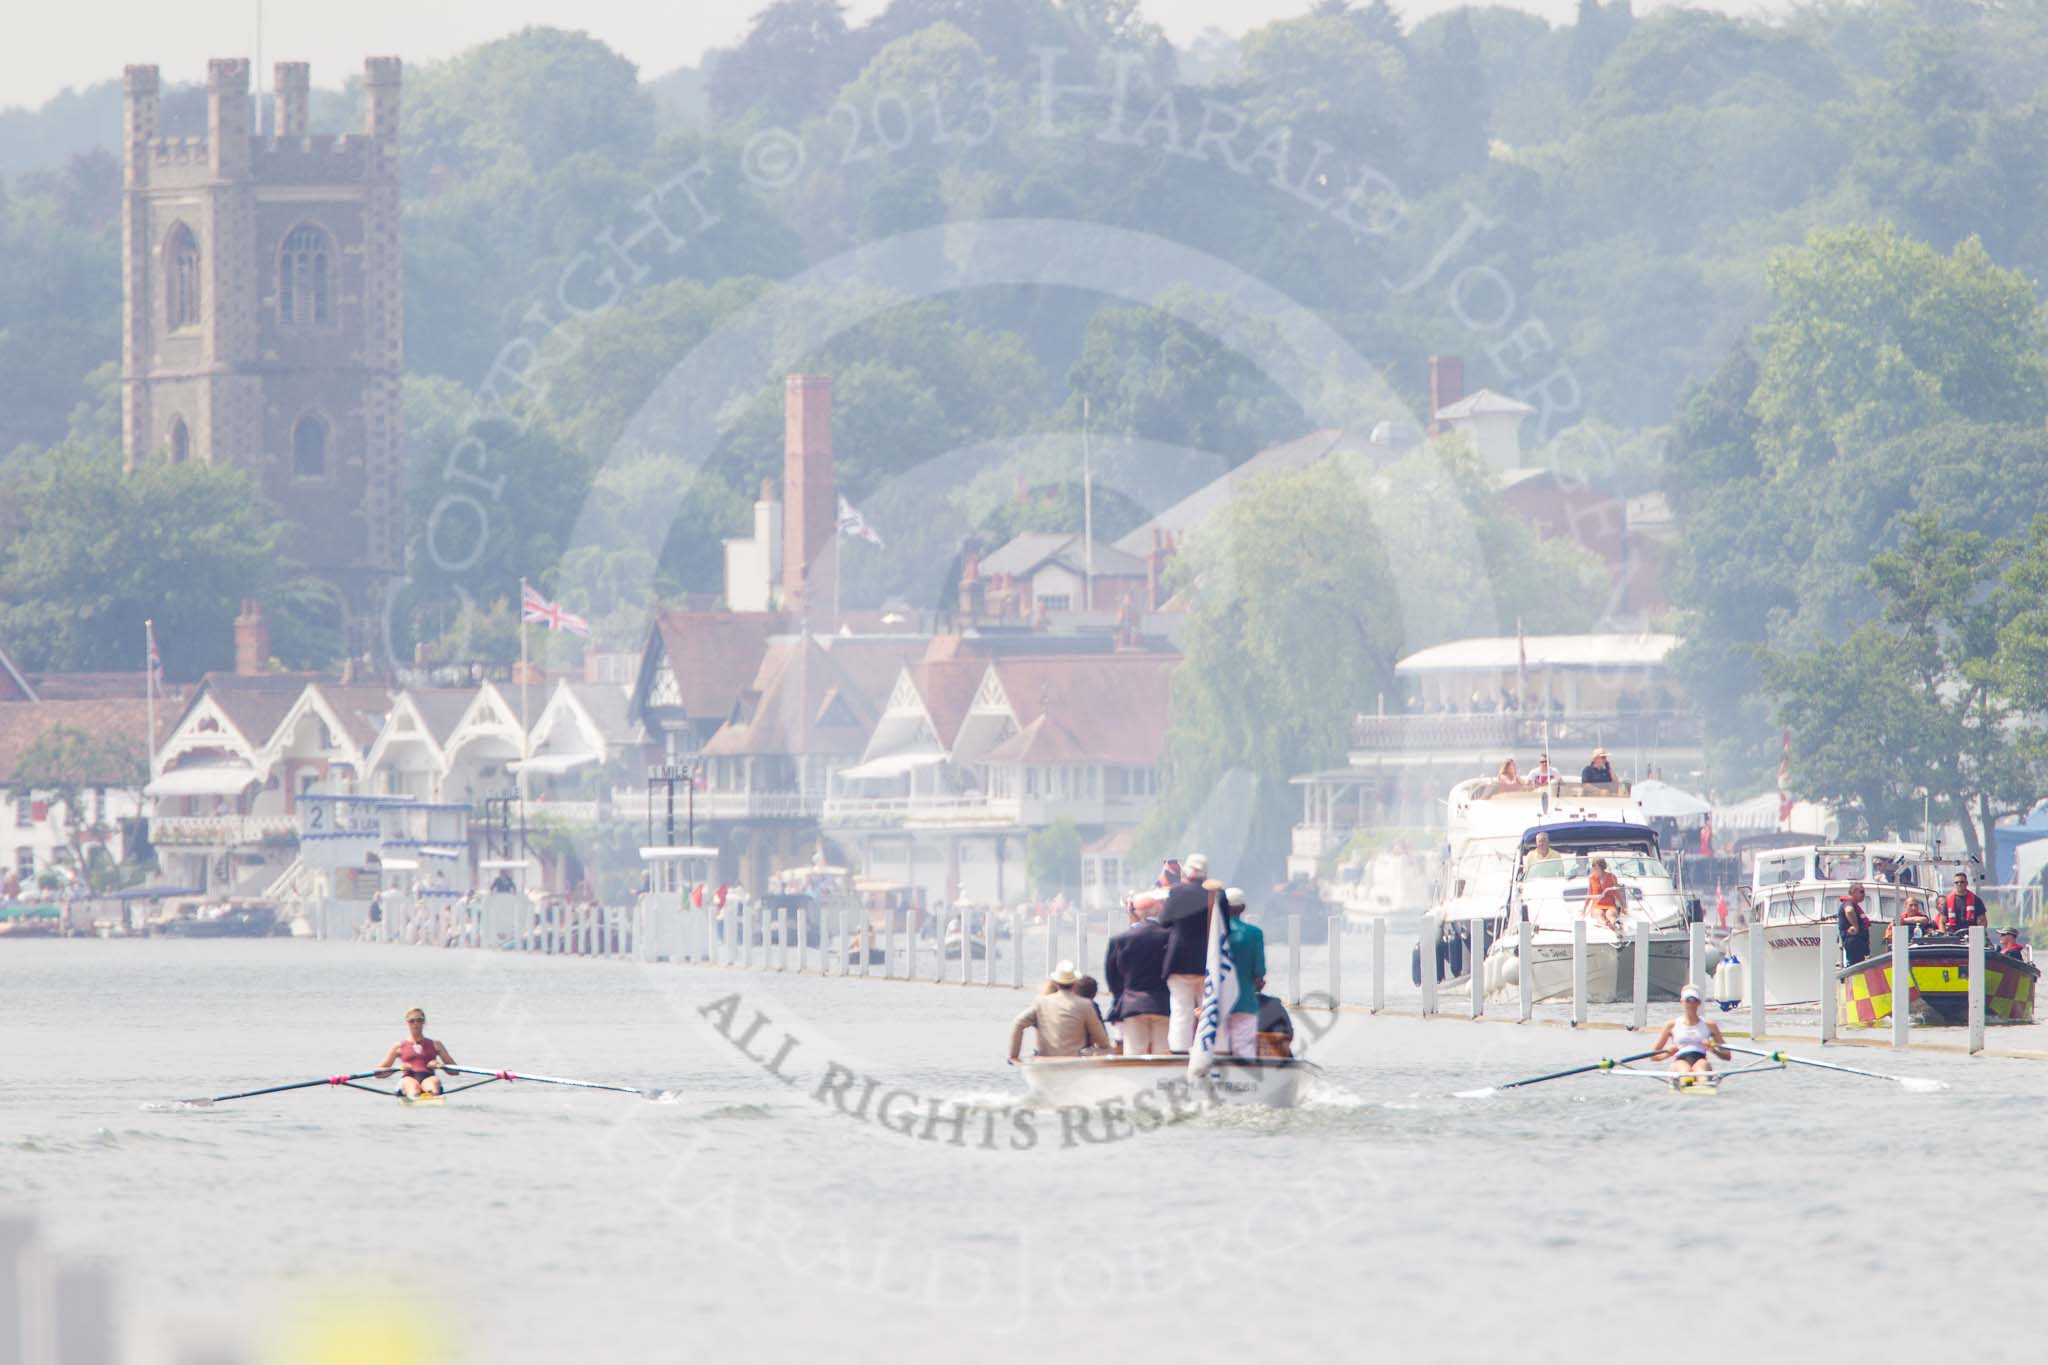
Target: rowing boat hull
x=1940, y=994
x=1271, y=1082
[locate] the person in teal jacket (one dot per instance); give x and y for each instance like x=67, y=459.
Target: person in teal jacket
x=1248, y=955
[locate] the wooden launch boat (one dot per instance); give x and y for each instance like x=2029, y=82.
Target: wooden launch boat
x=1274, y=1082
x=1940, y=989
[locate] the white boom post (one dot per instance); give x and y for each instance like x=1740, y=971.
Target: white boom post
x=1902, y=986
x=1753, y=979
x=1578, y=972
x=1827, y=956
x=1976, y=989
x=1641, y=994
x=1525, y=969
x=1426, y=962
x=1475, y=962
x=1379, y=963
x=1294, y=959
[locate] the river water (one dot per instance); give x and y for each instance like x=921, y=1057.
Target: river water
x=1583, y=1220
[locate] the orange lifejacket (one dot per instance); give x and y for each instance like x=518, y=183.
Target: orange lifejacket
x=1602, y=888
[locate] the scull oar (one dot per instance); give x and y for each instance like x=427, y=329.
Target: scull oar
x=490, y=1076
x=1915, y=1084
x=1604, y=1064
x=349, y=1080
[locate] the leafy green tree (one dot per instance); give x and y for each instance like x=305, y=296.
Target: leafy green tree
x=796, y=55
x=1052, y=856
x=69, y=765
x=1292, y=632
x=541, y=96
x=1148, y=374
x=1875, y=334
x=95, y=551
x=1930, y=702
x=1599, y=30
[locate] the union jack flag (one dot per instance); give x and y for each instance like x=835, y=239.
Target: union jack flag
x=535, y=610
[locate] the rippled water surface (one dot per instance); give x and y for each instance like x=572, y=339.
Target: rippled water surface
x=1574, y=1221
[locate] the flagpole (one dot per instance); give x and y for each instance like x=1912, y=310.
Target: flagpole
x=1087, y=516
x=525, y=731
x=149, y=686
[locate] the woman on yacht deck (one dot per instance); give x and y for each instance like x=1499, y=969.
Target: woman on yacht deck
x=1688, y=1041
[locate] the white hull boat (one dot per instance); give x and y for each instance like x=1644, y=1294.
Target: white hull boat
x=1795, y=894
x=1274, y=1082
x=1610, y=967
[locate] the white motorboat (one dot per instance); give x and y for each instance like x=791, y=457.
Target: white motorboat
x=1483, y=848
x=1551, y=893
x=1274, y=1082
x=1795, y=891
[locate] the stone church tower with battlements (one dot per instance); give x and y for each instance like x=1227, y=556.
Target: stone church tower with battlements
x=264, y=313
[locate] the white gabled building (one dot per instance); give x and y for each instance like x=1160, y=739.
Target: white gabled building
x=972, y=754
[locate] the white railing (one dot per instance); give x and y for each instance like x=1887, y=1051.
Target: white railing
x=221, y=829
x=721, y=805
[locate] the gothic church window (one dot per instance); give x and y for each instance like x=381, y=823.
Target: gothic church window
x=309, y=448
x=181, y=278
x=181, y=441
x=302, y=278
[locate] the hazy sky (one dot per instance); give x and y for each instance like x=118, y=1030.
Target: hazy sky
x=53, y=46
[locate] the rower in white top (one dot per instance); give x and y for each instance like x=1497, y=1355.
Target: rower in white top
x=1689, y=1040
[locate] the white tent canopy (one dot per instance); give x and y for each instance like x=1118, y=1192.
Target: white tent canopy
x=891, y=765
x=1664, y=800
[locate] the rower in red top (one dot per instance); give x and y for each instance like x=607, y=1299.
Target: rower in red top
x=417, y=1055
x=1961, y=907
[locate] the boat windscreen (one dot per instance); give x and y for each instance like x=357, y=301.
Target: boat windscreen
x=1567, y=866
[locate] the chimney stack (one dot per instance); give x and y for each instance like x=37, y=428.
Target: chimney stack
x=1446, y=386
x=252, y=641
x=810, y=517
x=1155, y=568
x=227, y=116
x=292, y=84
x=970, y=586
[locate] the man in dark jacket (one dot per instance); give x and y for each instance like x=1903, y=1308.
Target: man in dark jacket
x=1134, y=969
x=1598, y=771
x=1186, y=917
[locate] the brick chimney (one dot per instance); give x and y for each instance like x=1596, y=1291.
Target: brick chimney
x=252, y=641
x=1446, y=386
x=971, y=586
x=810, y=517
x=1155, y=568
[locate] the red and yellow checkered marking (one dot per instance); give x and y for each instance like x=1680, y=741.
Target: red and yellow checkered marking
x=1865, y=995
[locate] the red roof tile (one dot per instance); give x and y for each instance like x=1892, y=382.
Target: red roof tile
x=22, y=724
x=1105, y=708
x=714, y=655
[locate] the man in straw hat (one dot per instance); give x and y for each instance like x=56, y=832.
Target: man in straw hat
x=1598, y=770
x=1186, y=917
x=1068, y=1026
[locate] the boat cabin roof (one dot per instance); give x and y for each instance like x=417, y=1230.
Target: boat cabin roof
x=1594, y=836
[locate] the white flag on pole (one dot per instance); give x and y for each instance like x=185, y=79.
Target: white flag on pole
x=852, y=523
x=1219, y=993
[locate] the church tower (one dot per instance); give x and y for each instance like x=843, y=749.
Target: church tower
x=264, y=313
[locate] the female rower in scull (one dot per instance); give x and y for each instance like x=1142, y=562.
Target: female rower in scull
x=417, y=1056
x=1688, y=1041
